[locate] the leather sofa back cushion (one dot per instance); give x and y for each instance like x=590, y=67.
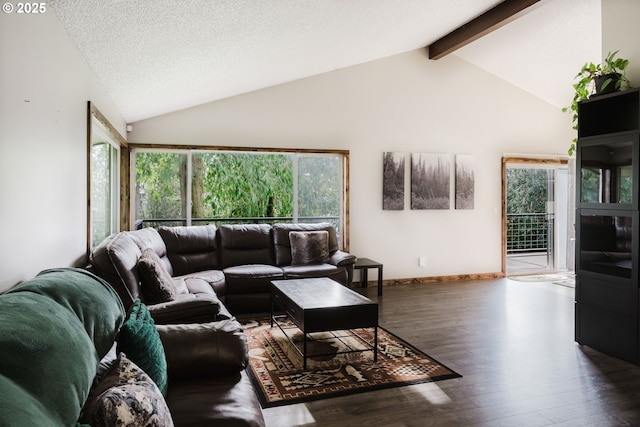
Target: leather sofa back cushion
x=149, y=237
x=242, y=244
x=191, y=249
x=115, y=260
x=199, y=350
x=282, y=243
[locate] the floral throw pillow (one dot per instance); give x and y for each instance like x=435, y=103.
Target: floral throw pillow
x=125, y=397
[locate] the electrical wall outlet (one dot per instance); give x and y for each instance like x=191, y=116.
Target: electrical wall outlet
x=422, y=261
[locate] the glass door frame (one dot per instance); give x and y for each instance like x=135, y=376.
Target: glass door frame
x=553, y=163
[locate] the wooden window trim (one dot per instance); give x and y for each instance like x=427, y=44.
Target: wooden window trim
x=126, y=175
x=93, y=111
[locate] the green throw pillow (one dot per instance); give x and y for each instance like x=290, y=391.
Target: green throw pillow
x=140, y=342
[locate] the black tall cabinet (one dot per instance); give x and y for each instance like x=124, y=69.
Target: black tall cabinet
x=607, y=306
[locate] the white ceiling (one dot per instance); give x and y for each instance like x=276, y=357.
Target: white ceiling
x=159, y=56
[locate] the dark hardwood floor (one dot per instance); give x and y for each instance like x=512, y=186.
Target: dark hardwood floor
x=512, y=342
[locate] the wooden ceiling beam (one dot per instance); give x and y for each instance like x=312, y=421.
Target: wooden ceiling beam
x=489, y=21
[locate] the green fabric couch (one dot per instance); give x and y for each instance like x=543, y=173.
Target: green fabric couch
x=60, y=329
x=45, y=380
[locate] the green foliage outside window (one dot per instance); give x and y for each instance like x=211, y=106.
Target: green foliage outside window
x=319, y=186
x=526, y=190
x=102, y=158
x=526, y=203
x=231, y=185
x=236, y=185
x=159, y=191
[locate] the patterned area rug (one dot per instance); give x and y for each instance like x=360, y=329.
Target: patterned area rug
x=538, y=278
x=275, y=367
x=564, y=279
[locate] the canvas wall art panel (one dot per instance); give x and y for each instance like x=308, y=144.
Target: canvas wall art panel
x=465, y=181
x=430, y=181
x=393, y=181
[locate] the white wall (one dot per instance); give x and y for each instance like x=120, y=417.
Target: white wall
x=405, y=103
x=44, y=85
x=620, y=32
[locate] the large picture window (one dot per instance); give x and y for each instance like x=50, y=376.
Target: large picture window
x=195, y=186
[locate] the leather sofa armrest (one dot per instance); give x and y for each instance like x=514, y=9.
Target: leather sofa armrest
x=204, y=349
x=342, y=258
x=188, y=308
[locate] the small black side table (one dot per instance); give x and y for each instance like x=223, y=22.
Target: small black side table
x=364, y=264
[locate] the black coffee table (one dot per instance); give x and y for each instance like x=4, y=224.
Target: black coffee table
x=321, y=305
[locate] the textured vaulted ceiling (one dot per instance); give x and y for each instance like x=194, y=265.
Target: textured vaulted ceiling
x=159, y=56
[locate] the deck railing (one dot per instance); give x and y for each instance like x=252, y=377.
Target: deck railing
x=527, y=232
x=156, y=222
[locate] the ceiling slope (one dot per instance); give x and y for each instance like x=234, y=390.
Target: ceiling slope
x=543, y=50
x=159, y=56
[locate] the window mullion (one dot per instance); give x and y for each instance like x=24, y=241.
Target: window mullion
x=114, y=160
x=189, y=201
x=295, y=188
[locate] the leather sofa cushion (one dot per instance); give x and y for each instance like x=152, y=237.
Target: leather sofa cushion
x=189, y=308
x=208, y=281
x=215, y=401
x=282, y=243
x=204, y=349
x=181, y=285
x=257, y=302
x=243, y=279
x=150, y=238
x=315, y=270
x=115, y=260
x=191, y=249
x=241, y=244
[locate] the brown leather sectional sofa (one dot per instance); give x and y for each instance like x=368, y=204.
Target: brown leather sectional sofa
x=216, y=268
x=218, y=272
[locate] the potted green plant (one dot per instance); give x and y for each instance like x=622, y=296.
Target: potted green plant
x=597, y=79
